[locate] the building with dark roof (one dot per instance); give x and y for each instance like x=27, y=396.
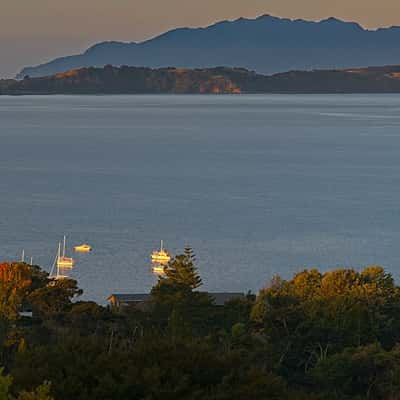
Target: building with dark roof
x=118, y=300
x=220, y=298
x=141, y=300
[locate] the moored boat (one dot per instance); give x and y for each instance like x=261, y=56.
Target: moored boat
x=158, y=269
x=83, y=248
x=59, y=266
x=160, y=256
x=160, y=259
x=63, y=261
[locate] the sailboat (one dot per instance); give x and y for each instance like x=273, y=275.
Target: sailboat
x=160, y=259
x=63, y=261
x=58, y=274
x=23, y=258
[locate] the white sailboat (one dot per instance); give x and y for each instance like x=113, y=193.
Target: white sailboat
x=63, y=261
x=23, y=258
x=160, y=259
x=58, y=275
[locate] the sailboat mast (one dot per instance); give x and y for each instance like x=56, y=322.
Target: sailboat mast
x=161, y=245
x=64, y=247
x=58, y=259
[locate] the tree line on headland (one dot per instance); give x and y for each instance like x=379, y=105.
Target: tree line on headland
x=219, y=80
x=316, y=336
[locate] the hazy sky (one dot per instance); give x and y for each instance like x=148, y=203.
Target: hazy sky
x=35, y=31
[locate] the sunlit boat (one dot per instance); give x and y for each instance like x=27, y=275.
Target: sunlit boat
x=63, y=261
x=58, y=264
x=160, y=256
x=158, y=269
x=83, y=248
x=60, y=276
x=160, y=259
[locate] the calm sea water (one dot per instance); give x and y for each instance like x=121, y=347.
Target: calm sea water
x=257, y=185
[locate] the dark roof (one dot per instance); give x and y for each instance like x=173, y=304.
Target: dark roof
x=221, y=298
x=126, y=298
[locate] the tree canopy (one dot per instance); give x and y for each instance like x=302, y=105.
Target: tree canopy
x=331, y=335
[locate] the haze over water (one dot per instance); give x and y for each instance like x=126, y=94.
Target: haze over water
x=257, y=185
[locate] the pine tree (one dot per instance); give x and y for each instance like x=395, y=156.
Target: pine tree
x=182, y=271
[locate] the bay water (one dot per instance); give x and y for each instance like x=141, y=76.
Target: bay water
x=257, y=185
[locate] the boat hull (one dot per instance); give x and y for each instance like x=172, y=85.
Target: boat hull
x=83, y=249
x=65, y=262
x=158, y=270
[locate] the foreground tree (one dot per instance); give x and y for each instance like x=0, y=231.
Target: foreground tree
x=41, y=392
x=15, y=280
x=55, y=297
x=315, y=315
x=367, y=372
x=176, y=304
x=182, y=272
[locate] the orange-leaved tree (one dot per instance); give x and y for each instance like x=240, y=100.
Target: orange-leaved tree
x=15, y=280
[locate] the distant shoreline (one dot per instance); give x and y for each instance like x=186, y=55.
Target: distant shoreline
x=124, y=80
x=199, y=94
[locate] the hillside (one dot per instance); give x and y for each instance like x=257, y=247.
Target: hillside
x=113, y=80
x=131, y=80
x=266, y=44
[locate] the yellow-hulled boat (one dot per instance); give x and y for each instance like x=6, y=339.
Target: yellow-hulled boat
x=83, y=248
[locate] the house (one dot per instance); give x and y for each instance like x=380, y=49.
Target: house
x=26, y=313
x=141, y=301
x=221, y=298
x=26, y=310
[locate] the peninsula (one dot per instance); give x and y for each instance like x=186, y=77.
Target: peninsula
x=220, y=80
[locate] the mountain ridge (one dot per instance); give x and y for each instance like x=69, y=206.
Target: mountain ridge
x=266, y=44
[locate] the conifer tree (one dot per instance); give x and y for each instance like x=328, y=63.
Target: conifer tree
x=182, y=271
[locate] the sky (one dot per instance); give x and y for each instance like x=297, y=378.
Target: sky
x=36, y=31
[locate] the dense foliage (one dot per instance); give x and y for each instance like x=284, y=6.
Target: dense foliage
x=332, y=335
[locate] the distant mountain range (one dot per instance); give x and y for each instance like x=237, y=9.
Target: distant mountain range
x=266, y=44
x=133, y=80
